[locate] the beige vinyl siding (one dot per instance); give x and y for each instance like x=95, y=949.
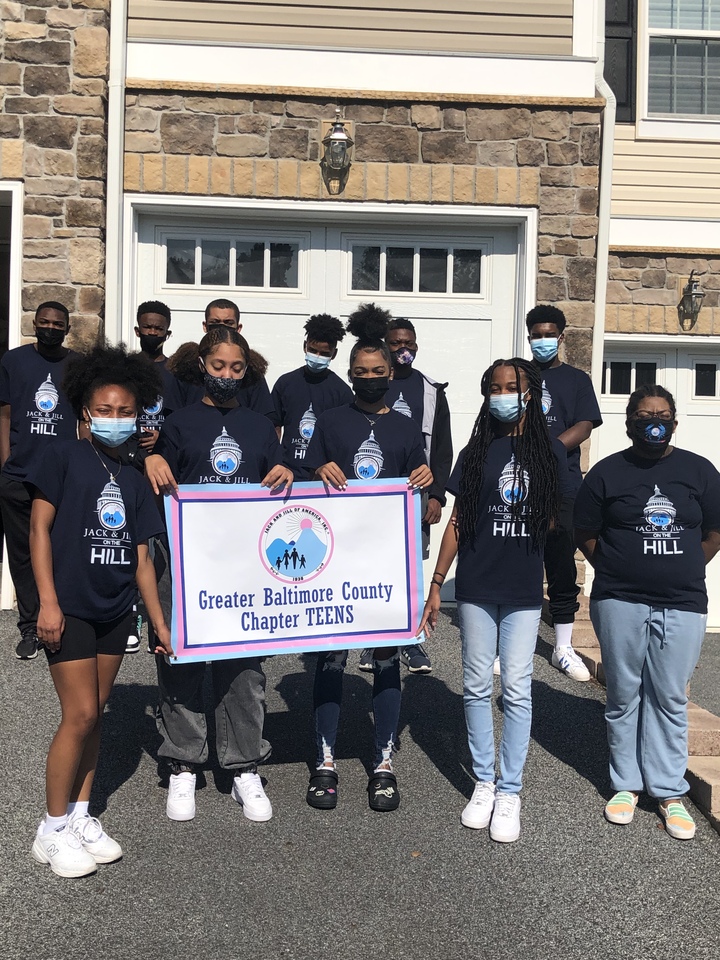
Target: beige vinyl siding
x=665, y=178
x=542, y=27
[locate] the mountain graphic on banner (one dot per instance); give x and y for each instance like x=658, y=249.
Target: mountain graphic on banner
x=308, y=548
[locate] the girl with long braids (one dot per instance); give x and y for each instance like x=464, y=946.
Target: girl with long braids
x=215, y=441
x=507, y=484
x=363, y=441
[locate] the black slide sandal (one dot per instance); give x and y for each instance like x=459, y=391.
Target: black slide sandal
x=383, y=792
x=322, y=792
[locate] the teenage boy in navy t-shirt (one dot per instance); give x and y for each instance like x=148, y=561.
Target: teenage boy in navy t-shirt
x=572, y=412
x=34, y=413
x=299, y=397
x=153, y=330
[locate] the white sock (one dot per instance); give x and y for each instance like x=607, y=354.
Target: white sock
x=563, y=635
x=53, y=823
x=78, y=809
x=244, y=774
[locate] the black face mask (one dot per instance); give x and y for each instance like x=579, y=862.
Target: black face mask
x=151, y=343
x=50, y=336
x=653, y=432
x=370, y=389
x=221, y=389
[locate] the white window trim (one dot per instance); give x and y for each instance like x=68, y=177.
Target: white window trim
x=16, y=190
x=344, y=213
x=661, y=128
x=585, y=22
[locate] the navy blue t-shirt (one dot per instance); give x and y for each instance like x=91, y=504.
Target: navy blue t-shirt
x=299, y=398
x=407, y=396
x=153, y=417
x=255, y=396
x=650, y=516
x=568, y=398
x=98, y=526
x=40, y=413
x=390, y=447
x=206, y=444
x=502, y=565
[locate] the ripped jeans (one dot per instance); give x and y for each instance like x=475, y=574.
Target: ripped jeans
x=327, y=697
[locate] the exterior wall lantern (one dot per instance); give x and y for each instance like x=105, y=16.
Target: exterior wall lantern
x=336, y=161
x=690, y=303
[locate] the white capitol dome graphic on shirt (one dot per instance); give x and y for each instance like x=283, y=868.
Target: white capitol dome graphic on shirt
x=545, y=399
x=513, y=489
x=368, y=461
x=402, y=406
x=659, y=510
x=307, y=423
x=155, y=408
x=47, y=396
x=110, y=507
x=225, y=454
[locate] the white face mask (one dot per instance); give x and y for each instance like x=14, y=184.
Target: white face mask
x=316, y=363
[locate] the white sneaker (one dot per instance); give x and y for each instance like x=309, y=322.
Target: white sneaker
x=569, y=663
x=62, y=850
x=132, y=645
x=496, y=667
x=478, y=812
x=505, y=823
x=91, y=835
x=248, y=791
x=181, y=796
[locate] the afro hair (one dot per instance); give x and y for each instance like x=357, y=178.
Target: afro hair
x=324, y=329
x=106, y=366
x=544, y=313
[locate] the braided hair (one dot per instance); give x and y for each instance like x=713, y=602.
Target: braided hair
x=533, y=455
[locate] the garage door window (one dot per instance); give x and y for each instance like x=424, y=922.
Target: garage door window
x=240, y=263
x=416, y=269
x=621, y=377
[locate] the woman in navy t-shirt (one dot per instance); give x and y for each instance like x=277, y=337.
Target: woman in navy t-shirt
x=648, y=520
x=90, y=525
x=506, y=483
x=362, y=441
x=215, y=441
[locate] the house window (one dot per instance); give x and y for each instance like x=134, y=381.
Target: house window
x=684, y=58
x=415, y=269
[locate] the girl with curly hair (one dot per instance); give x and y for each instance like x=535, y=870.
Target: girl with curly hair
x=90, y=525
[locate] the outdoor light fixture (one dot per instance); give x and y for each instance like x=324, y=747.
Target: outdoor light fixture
x=336, y=157
x=690, y=303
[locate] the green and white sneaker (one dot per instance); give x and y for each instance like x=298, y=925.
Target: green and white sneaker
x=621, y=807
x=678, y=822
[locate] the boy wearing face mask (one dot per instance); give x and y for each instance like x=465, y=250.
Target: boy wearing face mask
x=153, y=330
x=572, y=412
x=302, y=395
x=34, y=413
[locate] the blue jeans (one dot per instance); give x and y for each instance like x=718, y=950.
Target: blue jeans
x=648, y=654
x=487, y=628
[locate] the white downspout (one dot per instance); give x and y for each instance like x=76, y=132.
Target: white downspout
x=115, y=150
x=605, y=196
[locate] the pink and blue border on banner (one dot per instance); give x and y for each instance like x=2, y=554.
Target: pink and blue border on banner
x=308, y=493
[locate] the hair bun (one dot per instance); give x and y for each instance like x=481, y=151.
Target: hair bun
x=369, y=322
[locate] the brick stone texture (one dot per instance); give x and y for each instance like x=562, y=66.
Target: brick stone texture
x=644, y=289
x=254, y=146
x=53, y=69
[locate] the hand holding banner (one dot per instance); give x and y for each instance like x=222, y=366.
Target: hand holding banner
x=256, y=573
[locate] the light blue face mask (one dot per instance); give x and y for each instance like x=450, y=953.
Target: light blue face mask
x=112, y=431
x=316, y=363
x=544, y=349
x=507, y=407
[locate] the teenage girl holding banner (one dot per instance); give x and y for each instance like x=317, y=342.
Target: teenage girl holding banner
x=362, y=441
x=91, y=521
x=215, y=441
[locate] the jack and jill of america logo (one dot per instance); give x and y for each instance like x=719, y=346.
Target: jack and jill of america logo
x=307, y=424
x=155, y=408
x=296, y=543
x=47, y=396
x=513, y=483
x=659, y=511
x=111, y=508
x=545, y=399
x=368, y=461
x=402, y=406
x=225, y=454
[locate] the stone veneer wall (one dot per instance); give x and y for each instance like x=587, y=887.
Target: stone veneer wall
x=53, y=70
x=644, y=289
x=233, y=144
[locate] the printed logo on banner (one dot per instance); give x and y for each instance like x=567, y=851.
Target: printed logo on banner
x=296, y=544
x=225, y=455
x=513, y=489
x=110, y=507
x=47, y=396
x=368, y=461
x=306, y=427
